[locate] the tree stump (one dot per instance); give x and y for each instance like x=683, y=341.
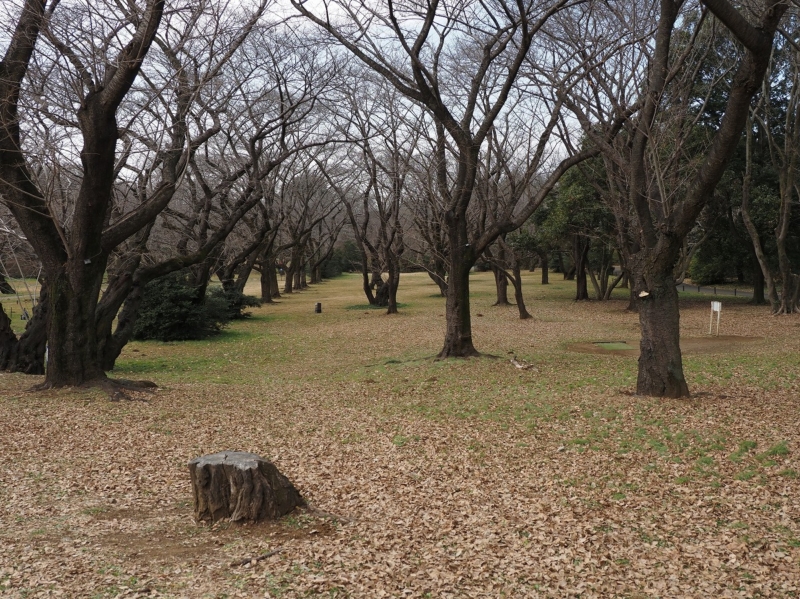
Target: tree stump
x=240, y=486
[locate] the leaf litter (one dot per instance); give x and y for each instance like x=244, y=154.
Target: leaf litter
x=425, y=479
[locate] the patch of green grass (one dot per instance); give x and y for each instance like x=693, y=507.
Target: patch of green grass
x=94, y=510
x=779, y=449
x=400, y=440
x=744, y=448
x=747, y=474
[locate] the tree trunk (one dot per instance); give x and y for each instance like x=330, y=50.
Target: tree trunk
x=266, y=289
x=517, y=281
x=458, y=336
x=501, y=285
x=580, y=246
x=759, y=298
x=393, y=283
x=545, y=264
x=289, y=281
x=5, y=286
x=126, y=322
x=272, y=275
x=633, y=304
x=439, y=277
x=71, y=324
x=26, y=354
x=660, y=365
x=8, y=340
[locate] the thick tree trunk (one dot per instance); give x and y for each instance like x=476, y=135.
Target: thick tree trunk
x=660, y=365
x=71, y=326
x=458, y=336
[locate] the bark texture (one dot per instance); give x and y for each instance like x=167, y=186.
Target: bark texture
x=660, y=363
x=240, y=486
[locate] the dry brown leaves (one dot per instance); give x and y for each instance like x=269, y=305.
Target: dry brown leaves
x=457, y=479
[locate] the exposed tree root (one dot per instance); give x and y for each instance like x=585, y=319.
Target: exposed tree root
x=117, y=389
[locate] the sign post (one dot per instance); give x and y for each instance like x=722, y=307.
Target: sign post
x=715, y=307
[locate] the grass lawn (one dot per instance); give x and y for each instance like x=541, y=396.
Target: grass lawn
x=459, y=478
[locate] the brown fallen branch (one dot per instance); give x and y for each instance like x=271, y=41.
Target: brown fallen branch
x=255, y=560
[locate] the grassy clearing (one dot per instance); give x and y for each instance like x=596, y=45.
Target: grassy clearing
x=431, y=478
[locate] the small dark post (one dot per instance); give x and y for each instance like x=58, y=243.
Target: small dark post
x=318, y=308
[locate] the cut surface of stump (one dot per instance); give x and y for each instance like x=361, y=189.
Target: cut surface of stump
x=241, y=486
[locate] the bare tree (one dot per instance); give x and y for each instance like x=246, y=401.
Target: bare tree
x=431, y=50
x=104, y=51
x=666, y=183
x=779, y=124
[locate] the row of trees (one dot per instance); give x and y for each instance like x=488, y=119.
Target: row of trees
x=141, y=139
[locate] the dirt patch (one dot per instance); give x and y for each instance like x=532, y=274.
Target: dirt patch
x=145, y=535
x=689, y=345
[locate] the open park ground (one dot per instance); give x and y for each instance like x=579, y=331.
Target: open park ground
x=465, y=478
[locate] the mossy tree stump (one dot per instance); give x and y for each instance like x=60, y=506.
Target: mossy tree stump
x=240, y=486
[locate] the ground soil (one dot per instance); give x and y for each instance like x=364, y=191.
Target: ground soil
x=709, y=344
x=455, y=478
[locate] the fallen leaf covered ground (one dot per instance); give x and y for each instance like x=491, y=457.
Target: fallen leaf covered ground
x=460, y=478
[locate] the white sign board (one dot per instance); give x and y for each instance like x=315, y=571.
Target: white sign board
x=715, y=307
